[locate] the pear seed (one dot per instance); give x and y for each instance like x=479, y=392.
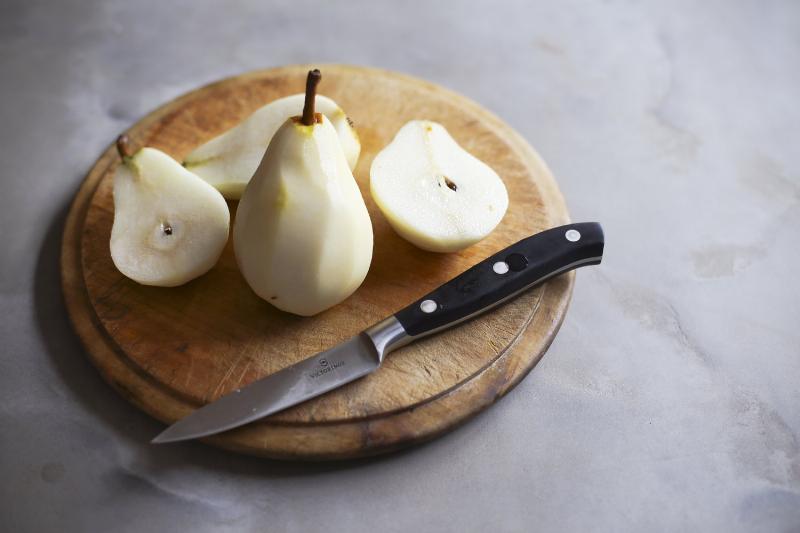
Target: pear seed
x=452, y=186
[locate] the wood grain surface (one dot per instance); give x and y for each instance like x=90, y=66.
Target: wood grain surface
x=170, y=350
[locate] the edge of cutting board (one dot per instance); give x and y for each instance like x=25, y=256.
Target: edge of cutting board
x=338, y=439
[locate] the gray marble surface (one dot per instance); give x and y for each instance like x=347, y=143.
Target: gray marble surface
x=669, y=401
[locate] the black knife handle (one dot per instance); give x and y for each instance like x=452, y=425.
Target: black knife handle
x=504, y=275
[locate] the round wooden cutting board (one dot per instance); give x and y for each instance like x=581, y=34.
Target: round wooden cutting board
x=170, y=350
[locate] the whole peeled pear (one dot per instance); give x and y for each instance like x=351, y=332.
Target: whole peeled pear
x=434, y=193
x=302, y=234
x=169, y=225
x=228, y=161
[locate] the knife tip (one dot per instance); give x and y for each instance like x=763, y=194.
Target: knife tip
x=178, y=434
x=164, y=438
x=158, y=439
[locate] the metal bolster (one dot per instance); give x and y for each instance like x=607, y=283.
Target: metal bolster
x=387, y=335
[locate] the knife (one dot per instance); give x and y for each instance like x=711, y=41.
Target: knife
x=491, y=282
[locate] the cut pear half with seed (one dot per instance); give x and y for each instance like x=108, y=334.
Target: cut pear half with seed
x=229, y=161
x=434, y=193
x=169, y=225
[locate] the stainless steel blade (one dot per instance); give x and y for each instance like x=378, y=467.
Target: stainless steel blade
x=302, y=381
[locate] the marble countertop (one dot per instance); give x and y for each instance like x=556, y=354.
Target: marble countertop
x=668, y=401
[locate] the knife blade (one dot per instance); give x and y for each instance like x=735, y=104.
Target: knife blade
x=487, y=284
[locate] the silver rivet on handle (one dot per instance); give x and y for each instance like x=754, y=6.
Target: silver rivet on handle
x=428, y=306
x=501, y=267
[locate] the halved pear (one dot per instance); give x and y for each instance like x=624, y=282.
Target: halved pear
x=169, y=225
x=434, y=193
x=302, y=234
x=228, y=161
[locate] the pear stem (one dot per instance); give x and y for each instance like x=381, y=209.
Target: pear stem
x=124, y=147
x=311, y=92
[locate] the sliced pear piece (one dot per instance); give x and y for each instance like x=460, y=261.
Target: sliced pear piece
x=302, y=234
x=169, y=225
x=228, y=161
x=434, y=193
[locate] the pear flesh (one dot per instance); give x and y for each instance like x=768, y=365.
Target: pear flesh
x=228, y=161
x=302, y=235
x=434, y=193
x=169, y=225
